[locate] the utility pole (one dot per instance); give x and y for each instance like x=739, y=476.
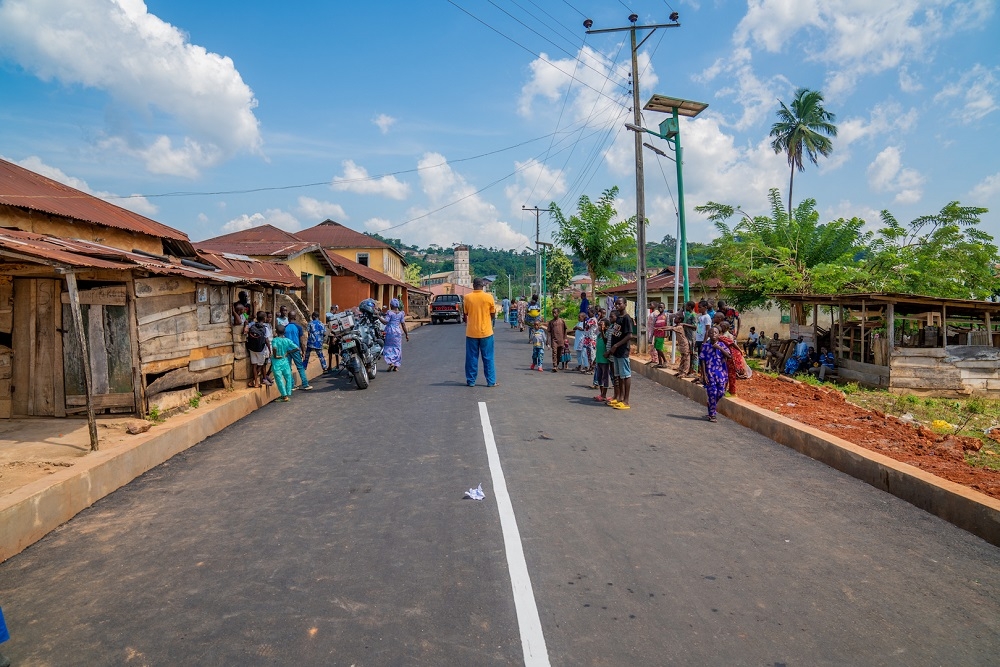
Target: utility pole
x=640, y=185
x=538, y=243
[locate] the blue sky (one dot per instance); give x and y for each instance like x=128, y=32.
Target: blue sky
x=436, y=121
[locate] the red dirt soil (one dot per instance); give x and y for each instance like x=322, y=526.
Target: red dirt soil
x=827, y=410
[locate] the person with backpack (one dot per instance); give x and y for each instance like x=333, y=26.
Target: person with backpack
x=315, y=336
x=257, y=346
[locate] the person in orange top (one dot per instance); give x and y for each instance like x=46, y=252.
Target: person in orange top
x=480, y=309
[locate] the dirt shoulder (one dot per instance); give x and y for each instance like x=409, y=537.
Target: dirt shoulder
x=827, y=409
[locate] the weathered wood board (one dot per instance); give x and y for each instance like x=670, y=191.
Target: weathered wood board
x=182, y=377
x=103, y=401
x=162, y=286
x=210, y=362
x=165, y=314
x=183, y=341
x=112, y=295
x=169, y=326
x=158, y=304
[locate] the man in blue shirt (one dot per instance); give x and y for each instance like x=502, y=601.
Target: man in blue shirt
x=584, y=303
x=293, y=332
x=825, y=363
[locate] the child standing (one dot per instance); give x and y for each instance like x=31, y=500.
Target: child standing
x=314, y=341
x=603, y=377
x=281, y=349
x=539, y=341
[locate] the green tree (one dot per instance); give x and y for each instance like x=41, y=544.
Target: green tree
x=592, y=236
x=801, y=129
x=773, y=254
x=558, y=271
x=944, y=254
x=411, y=276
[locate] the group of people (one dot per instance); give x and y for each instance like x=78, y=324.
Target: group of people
x=601, y=345
x=705, y=334
x=279, y=344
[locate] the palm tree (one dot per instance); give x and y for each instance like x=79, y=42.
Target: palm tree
x=593, y=238
x=802, y=127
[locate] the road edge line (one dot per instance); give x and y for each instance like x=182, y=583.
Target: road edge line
x=528, y=622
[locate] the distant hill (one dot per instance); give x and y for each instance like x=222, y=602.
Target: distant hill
x=520, y=265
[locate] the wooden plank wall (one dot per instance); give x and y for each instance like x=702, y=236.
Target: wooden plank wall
x=6, y=352
x=955, y=370
x=184, y=333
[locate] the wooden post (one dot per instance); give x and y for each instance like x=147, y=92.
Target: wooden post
x=890, y=331
x=944, y=325
x=989, y=330
x=88, y=382
x=840, y=332
x=864, y=319
x=815, y=308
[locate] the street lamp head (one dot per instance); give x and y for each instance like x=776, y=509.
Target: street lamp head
x=635, y=128
x=588, y=24
x=632, y=18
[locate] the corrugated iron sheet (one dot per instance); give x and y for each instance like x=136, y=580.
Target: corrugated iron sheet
x=26, y=189
x=75, y=253
x=253, y=269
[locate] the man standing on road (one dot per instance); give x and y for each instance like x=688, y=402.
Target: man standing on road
x=480, y=308
x=621, y=338
x=505, y=305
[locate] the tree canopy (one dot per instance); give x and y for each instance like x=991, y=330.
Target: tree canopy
x=944, y=254
x=558, y=271
x=592, y=236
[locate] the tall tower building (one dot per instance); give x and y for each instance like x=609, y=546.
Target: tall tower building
x=462, y=275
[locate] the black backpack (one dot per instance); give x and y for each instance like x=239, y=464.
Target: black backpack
x=256, y=338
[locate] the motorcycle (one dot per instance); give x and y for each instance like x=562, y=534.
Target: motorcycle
x=361, y=345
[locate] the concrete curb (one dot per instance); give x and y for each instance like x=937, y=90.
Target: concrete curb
x=970, y=510
x=34, y=510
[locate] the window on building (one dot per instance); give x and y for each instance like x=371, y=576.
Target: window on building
x=363, y=258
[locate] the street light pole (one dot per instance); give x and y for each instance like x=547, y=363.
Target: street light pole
x=538, y=241
x=641, y=304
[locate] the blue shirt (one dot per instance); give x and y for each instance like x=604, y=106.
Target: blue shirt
x=584, y=305
x=293, y=333
x=317, y=332
x=826, y=359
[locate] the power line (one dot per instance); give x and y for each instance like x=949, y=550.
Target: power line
x=575, y=9
x=537, y=55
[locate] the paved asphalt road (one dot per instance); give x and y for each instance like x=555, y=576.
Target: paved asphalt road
x=332, y=531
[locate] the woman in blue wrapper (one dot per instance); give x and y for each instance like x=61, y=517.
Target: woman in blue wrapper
x=395, y=330
x=714, y=374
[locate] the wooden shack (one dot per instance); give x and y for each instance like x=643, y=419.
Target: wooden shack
x=905, y=342
x=154, y=316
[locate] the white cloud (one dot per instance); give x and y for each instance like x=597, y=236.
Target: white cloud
x=272, y=216
x=535, y=182
x=986, y=189
x=459, y=214
x=136, y=203
x=357, y=180
x=977, y=89
x=884, y=120
x=377, y=224
x=886, y=174
x=202, y=218
x=853, y=38
x=314, y=209
x=144, y=64
x=384, y=122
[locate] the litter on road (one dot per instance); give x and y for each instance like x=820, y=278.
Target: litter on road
x=476, y=493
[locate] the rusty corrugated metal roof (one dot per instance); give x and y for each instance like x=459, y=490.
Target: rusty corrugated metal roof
x=25, y=189
x=75, y=253
x=252, y=269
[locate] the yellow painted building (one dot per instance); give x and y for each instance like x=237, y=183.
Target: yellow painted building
x=357, y=247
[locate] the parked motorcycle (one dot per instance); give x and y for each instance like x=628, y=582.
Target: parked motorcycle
x=361, y=342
